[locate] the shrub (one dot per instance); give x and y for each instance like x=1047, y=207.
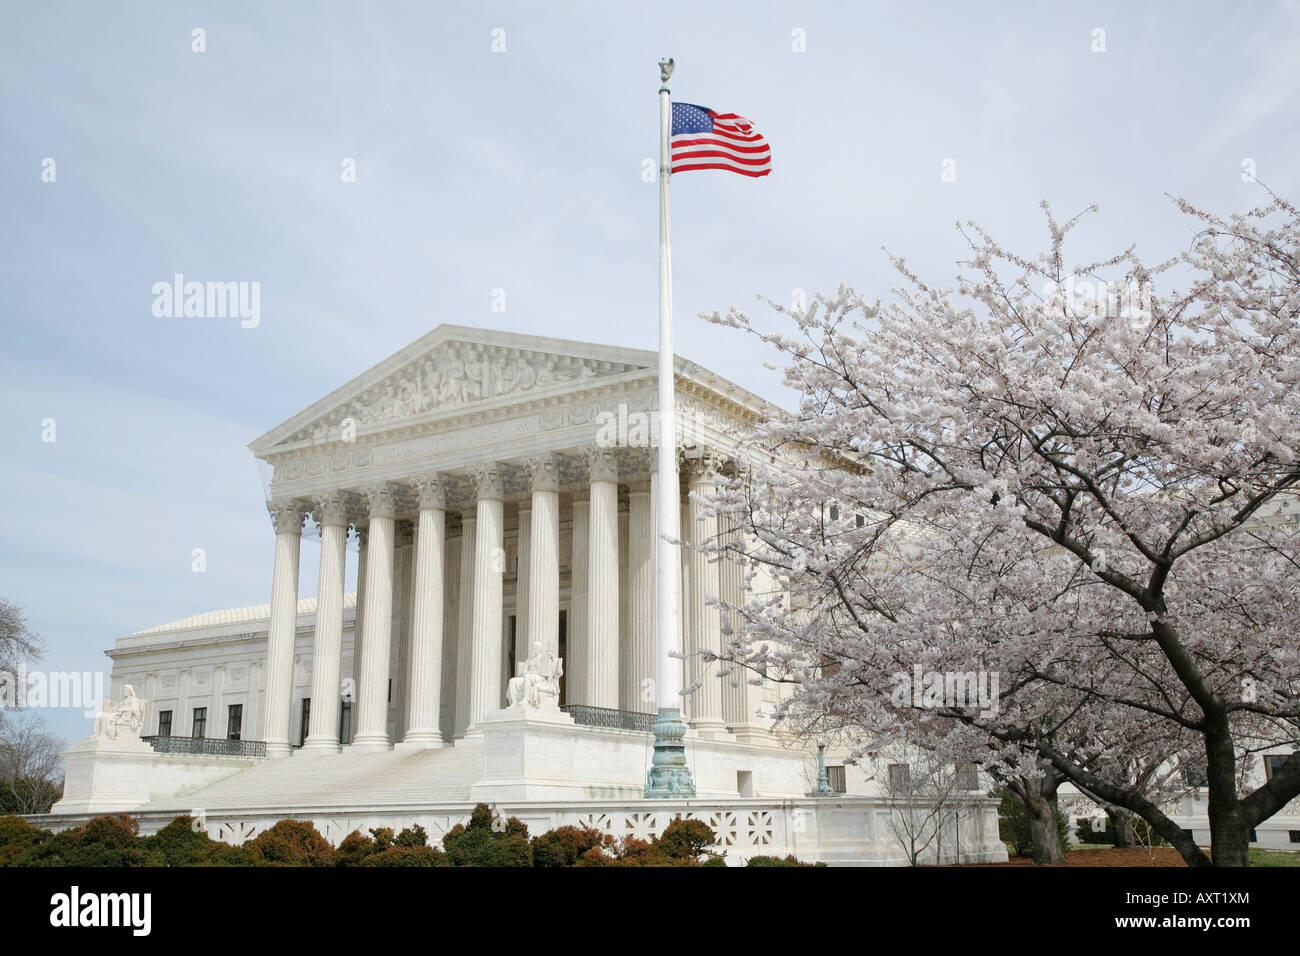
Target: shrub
x=353, y=849
x=18, y=836
x=777, y=861
x=223, y=854
x=1085, y=832
x=482, y=844
x=105, y=841
x=407, y=856
x=412, y=838
x=686, y=839
x=1013, y=825
x=179, y=844
x=291, y=843
x=564, y=846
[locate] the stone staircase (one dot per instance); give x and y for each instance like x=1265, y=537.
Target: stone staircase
x=371, y=780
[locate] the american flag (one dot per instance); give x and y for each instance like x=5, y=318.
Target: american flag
x=703, y=139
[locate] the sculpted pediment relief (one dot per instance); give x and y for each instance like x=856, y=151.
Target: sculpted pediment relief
x=454, y=375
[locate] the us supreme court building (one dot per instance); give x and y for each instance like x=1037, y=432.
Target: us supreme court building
x=496, y=492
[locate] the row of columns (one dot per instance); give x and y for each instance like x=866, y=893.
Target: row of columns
x=593, y=669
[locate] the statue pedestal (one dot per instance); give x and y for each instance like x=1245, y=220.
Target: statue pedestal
x=106, y=776
x=527, y=755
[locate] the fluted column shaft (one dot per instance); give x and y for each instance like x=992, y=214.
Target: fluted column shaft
x=706, y=626
x=351, y=687
x=544, y=557
x=602, y=582
x=377, y=635
x=322, y=733
x=739, y=697
x=465, y=620
x=423, y=700
x=287, y=517
x=642, y=637
x=578, y=637
x=523, y=601
x=485, y=694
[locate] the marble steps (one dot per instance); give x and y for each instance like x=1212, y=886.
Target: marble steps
x=385, y=778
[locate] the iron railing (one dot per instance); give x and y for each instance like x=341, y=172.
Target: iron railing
x=207, y=745
x=608, y=717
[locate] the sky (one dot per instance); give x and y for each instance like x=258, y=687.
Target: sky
x=500, y=146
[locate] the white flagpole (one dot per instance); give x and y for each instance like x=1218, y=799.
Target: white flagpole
x=669, y=775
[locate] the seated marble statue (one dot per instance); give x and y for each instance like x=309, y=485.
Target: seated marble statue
x=127, y=718
x=537, y=684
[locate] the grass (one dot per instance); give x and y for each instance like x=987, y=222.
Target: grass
x=1260, y=857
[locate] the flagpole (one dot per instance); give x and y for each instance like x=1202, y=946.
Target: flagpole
x=669, y=775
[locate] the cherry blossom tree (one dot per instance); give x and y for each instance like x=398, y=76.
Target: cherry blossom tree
x=1073, y=477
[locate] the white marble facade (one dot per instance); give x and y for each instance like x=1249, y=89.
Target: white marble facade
x=494, y=492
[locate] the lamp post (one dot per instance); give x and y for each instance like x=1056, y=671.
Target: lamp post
x=823, y=788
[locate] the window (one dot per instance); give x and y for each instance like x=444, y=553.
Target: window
x=345, y=722
x=164, y=723
x=1273, y=764
x=1194, y=777
x=234, y=721
x=1253, y=838
x=1293, y=836
x=900, y=775
x=836, y=776
x=860, y=521
x=835, y=512
x=200, y=722
x=306, y=720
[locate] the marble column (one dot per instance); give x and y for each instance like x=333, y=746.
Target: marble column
x=425, y=682
x=287, y=517
x=576, y=640
x=544, y=557
x=465, y=619
x=706, y=625
x=485, y=691
x=450, y=629
x=740, y=698
x=327, y=654
x=351, y=686
x=602, y=582
x=642, y=665
x=377, y=634
x=523, y=575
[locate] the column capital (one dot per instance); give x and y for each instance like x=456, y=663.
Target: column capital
x=330, y=509
x=404, y=532
x=432, y=489
x=544, y=470
x=287, y=514
x=382, y=499
x=489, y=480
x=602, y=463
x=701, y=469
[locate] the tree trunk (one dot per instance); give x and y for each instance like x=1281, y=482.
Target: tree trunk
x=1121, y=822
x=1043, y=834
x=1229, y=832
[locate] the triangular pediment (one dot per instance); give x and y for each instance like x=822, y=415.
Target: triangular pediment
x=454, y=368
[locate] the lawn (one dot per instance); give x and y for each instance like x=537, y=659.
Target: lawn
x=1094, y=855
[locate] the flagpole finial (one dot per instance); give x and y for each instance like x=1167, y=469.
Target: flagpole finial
x=665, y=71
